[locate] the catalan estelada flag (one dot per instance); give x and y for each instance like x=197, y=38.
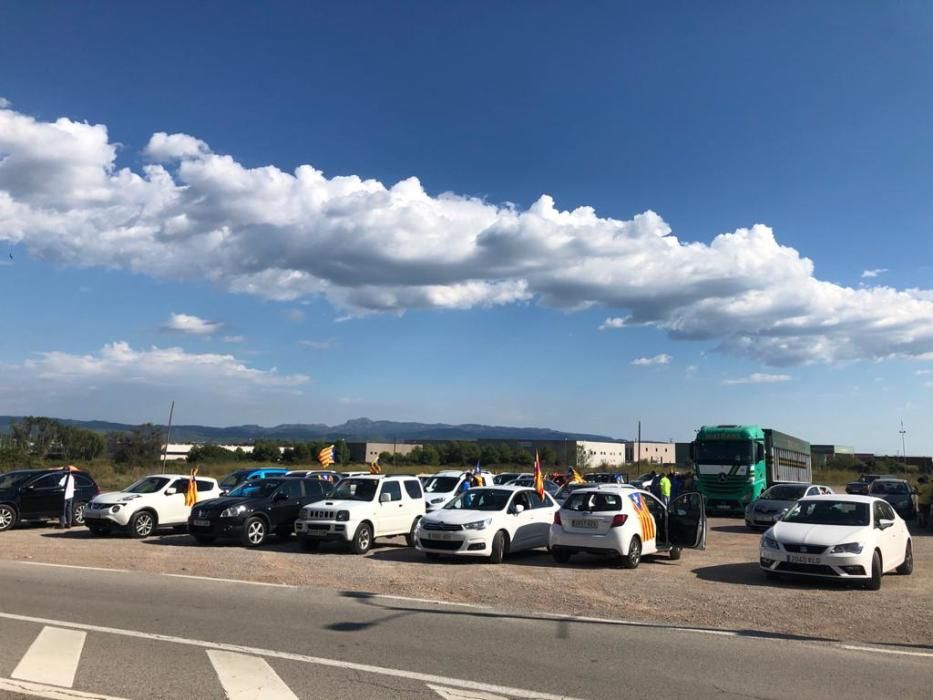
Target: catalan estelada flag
x=575, y=477
x=191, y=495
x=539, y=477
x=326, y=456
x=644, y=517
x=374, y=468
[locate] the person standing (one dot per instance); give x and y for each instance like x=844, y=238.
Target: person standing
x=924, y=498
x=68, y=482
x=664, y=486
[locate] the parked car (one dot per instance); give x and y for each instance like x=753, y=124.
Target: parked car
x=839, y=537
x=489, y=521
x=231, y=481
x=256, y=509
x=504, y=478
x=644, y=481
x=528, y=482
x=38, y=494
x=325, y=474
x=568, y=489
x=614, y=520
x=153, y=502
x=771, y=505
x=899, y=493
x=361, y=508
x=606, y=477
x=444, y=485
x=860, y=485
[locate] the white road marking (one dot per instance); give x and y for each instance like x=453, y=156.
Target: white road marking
x=71, y=566
x=457, y=694
x=233, y=580
x=37, y=690
x=248, y=677
x=431, y=601
x=898, y=652
x=288, y=656
x=52, y=658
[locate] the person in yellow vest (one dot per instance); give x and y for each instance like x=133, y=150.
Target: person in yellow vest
x=924, y=499
x=664, y=486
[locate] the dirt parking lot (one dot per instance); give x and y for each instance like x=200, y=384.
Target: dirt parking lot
x=717, y=588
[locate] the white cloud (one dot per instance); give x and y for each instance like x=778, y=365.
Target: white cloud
x=4, y=103
x=367, y=247
x=760, y=378
x=617, y=322
x=186, y=323
x=662, y=359
x=867, y=274
x=234, y=339
x=317, y=344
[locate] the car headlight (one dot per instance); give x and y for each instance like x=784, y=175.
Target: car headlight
x=848, y=548
x=768, y=542
x=478, y=524
x=234, y=511
x=342, y=516
x=116, y=508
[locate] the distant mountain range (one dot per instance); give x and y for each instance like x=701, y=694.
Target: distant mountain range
x=356, y=430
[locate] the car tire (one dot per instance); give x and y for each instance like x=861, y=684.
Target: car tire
x=675, y=553
x=309, y=544
x=362, y=539
x=874, y=583
x=255, y=532
x=561, y=556
x=410, y=537
x=77, y=513
x=8, y=517
x=204, y=540
x=633, y=558
x=499, y=546
x=907, y=568
x=142, y=524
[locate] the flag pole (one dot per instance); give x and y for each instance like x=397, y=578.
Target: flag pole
x=168, y=435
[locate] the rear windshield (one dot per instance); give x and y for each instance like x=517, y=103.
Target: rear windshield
x=785, y=492
x=593, y=502
x=234, y=479
x=441, y=484
x=893, y=488
x=829, y=513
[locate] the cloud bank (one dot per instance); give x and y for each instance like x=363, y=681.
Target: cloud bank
x=190, y=213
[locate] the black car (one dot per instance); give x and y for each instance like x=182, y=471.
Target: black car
x=900, y=494
x=860, y=486
x=255, y=509
x=38, y=494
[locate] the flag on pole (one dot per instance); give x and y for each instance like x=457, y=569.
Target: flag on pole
x=478, y=479
x=374, y=467
x=191, y=495
x=576, y=477
x=539, y=477
x=326, y=456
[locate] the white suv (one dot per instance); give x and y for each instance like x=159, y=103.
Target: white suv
x=153, y=501
x=442, y=487
x=362, y=508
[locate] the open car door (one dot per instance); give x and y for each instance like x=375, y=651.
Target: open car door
x=686, y=521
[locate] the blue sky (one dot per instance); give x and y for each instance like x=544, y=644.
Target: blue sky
x=811, y=121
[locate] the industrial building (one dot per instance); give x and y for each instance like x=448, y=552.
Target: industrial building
x=653, y=452
x=368, y=452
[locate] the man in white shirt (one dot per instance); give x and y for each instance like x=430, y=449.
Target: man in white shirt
x=68, y=482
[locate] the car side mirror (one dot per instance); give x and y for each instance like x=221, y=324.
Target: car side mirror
x=518, y=509
x=171, y=491
x=885, y=523
x=385, y=497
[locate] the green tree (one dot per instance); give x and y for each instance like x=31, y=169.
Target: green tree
x=140, y=447
x=583, y=459
x=523, y=457
x=489, y=455
x=547, y=455
x=430, y=455
x=471, y=453
x=266, y=451
x=342, y=452
x=204, y=454
x=506, y=455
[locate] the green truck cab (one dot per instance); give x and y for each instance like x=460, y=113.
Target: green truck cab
x=735, y=463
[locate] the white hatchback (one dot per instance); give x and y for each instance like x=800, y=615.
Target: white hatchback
x=617, y=520
x=838, y=537
x=488, y=521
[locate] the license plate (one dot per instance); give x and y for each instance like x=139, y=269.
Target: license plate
x=723, y=506
x=802, y=559
x=444, y=536
x=201, y=523
x=590, y=524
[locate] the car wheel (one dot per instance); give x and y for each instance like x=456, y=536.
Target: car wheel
x=142, y=524
x=362, y=539
x=309, y=544
x=77, y=513
x=254, y=532
x=7, y=517
x=498, y=548
x=561, y=556
x=633, y=558
x=675, y=553
x=410, y=537
x=907, y=568
x=874, y=583
x=204, y=539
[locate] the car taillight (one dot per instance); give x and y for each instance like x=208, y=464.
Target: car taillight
x=619, y=520
x=557, y=517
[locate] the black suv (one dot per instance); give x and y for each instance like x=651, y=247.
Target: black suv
x=254, y=509
x=37, y=494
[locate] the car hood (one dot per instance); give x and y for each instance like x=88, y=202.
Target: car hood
x=344, y=504
x=827, y=535
x=113, y=497
x=228, y=502
x=460, y=517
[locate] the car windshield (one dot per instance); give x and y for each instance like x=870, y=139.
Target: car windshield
x=14, y=479
x=150, y=484
x=261, y=488
x=785, y=492
x=441, y=484
x=480, y=499
x=813, y=512
x=593, y=501
x=234, y=479
x=355, y=490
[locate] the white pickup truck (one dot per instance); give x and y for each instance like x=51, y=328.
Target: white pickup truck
x=152, y=502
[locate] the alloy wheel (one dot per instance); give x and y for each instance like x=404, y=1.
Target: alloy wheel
x=256, y=532
x=6, y=518
x=144, y=524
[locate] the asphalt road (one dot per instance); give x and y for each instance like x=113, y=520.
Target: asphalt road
x=73, y=633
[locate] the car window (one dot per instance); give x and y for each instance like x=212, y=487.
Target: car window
x=292, y=488
x=84, y=481
x=202, y=485
x=887, y=511
x=878, y=512
x=394, y=489
x=536, y=500
x=181, y=485
x=49, y=481
x=654, y=507
x=315, y=489
x=413, y=487
x=593, y=502
x=521, y=499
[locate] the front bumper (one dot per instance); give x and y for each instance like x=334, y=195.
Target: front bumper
x=216, y=527
x=325, y=529
x=469, y=543
x=107, y=517
x=761, y=519
x=838, y=566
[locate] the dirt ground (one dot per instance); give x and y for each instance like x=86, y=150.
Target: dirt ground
x=720, y=587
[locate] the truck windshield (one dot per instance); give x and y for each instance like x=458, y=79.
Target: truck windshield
x=724, y=452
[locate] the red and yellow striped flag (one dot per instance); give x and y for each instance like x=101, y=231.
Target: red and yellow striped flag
x=644, y=517
x=191, y=495
x=539, y=477
x=326, y=456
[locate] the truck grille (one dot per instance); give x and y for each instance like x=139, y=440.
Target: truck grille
x=318, y=514
x=731, y=485
x=805, y=548
x=430, y=525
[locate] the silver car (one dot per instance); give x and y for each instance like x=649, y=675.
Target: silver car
x=771, y=505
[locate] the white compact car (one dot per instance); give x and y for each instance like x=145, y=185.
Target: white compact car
x=617, y=520
x=487, y=522
x=152, y=502
x=839, y=537
x=441, y=487
x=361, y=508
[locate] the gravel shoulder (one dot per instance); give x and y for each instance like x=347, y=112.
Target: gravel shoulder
x=719, y=588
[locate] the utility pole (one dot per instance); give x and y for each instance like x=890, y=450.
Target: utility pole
x=638, y=458
x=903, y=432
x=168, y=435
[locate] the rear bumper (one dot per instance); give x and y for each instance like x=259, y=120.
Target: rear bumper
x=609, y=543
